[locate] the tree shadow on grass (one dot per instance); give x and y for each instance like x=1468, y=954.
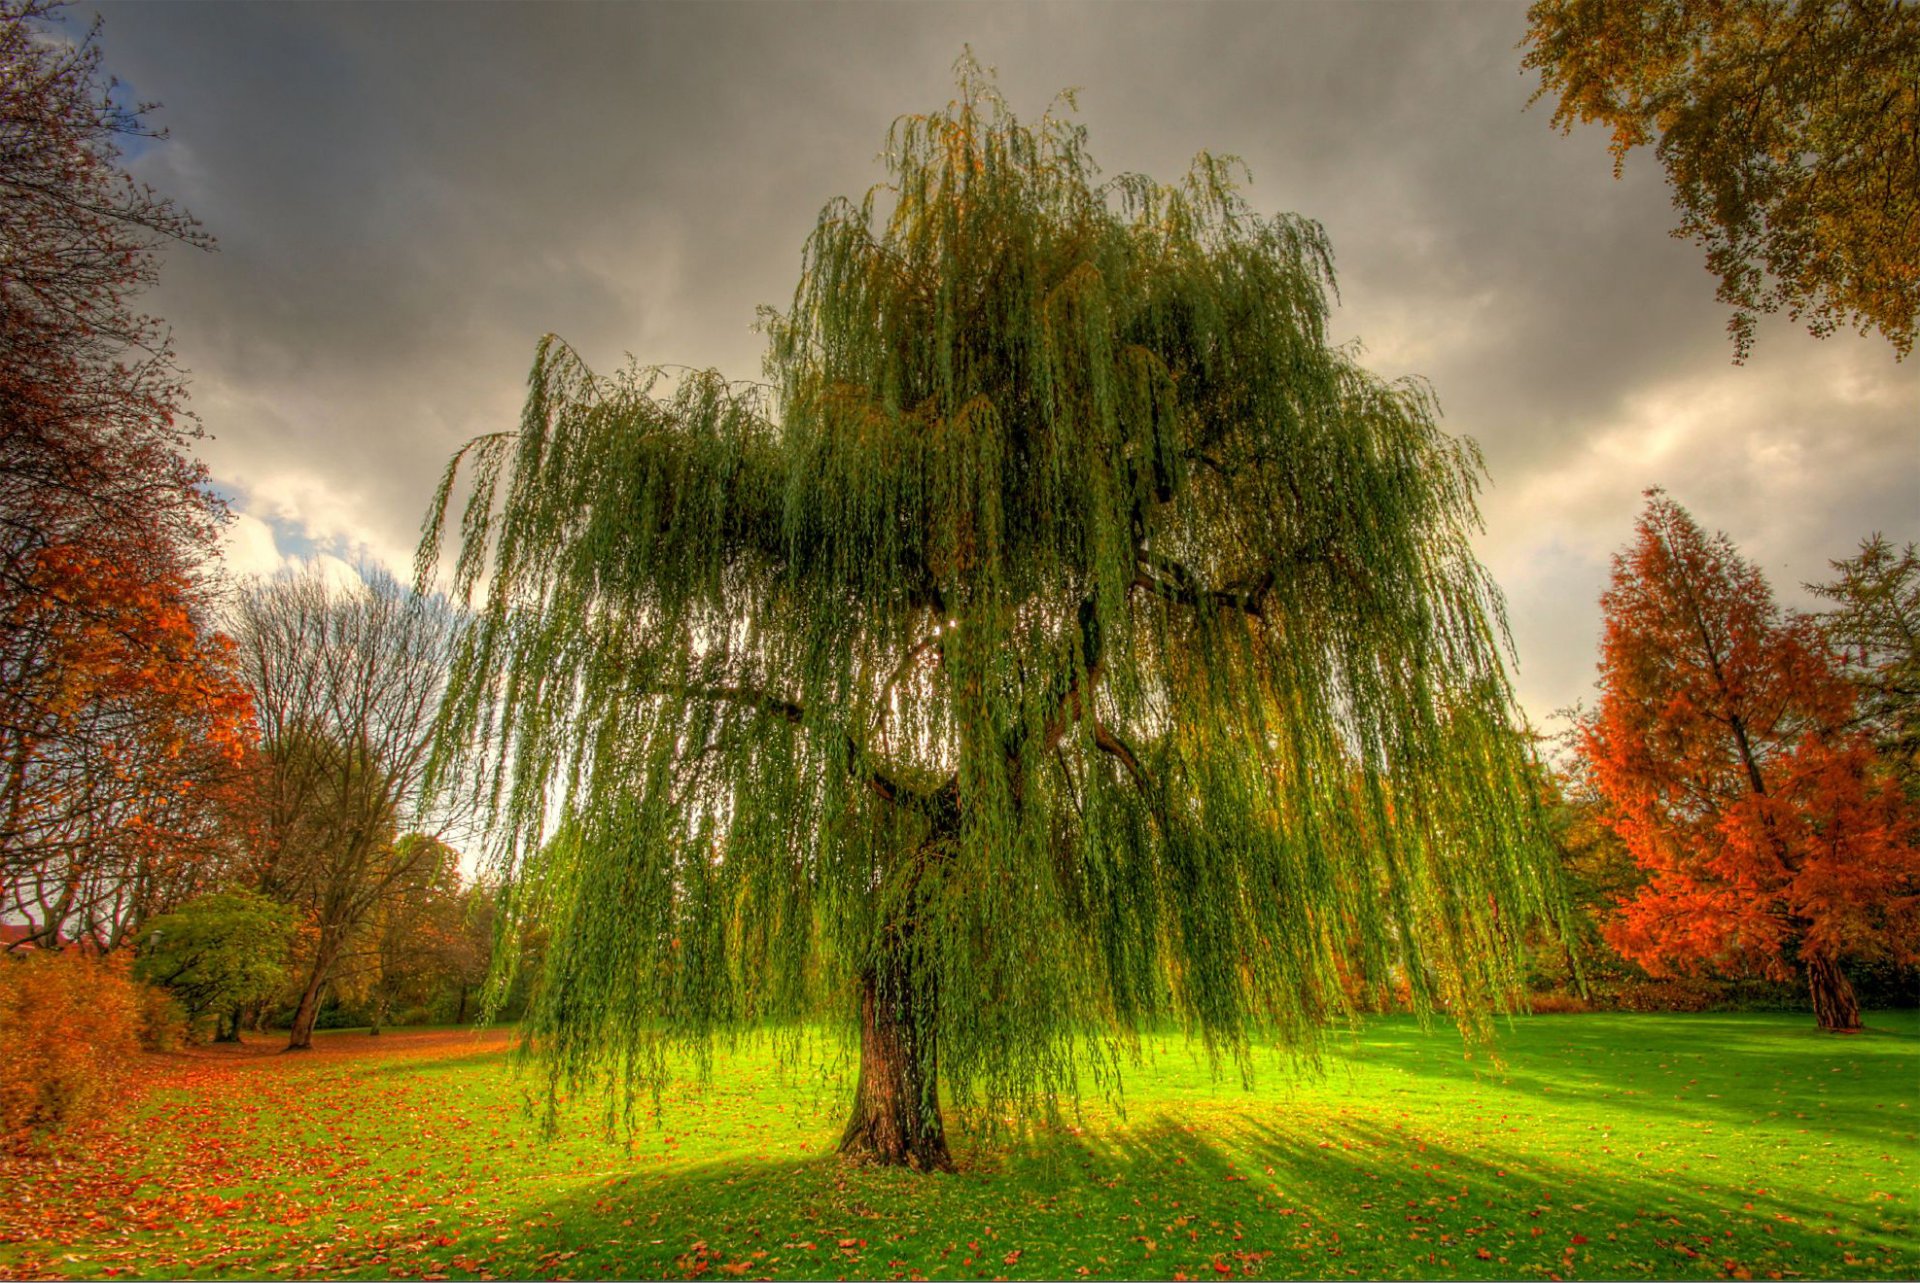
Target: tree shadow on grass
x=1309, y=1196
x=1717, y=1069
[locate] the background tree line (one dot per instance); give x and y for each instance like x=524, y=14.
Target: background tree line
x=225, y=780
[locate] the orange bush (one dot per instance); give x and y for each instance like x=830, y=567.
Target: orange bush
x=163, y=1025
x=69, y=1024
x=1557, y=1002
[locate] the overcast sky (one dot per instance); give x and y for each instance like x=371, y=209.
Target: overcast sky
x=407, y=197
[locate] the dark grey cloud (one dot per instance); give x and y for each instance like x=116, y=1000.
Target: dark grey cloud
x=407, y=197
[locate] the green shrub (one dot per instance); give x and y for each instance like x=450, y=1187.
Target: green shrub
x=218, y=952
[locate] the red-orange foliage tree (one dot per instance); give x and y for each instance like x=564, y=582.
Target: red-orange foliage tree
x=1772, y=839
x=118, y=717
x=126, y=727
x=92, y=406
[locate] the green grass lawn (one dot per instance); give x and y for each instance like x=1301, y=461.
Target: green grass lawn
x=1602, y=1146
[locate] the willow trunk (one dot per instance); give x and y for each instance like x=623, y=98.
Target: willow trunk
x=1834, y=1006
x=896, y=1107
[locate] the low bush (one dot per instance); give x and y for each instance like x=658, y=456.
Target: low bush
x=1677, y=994
x=333, y=1014
x=1557, y=1002
x=69, y=1024
x=163, y=1023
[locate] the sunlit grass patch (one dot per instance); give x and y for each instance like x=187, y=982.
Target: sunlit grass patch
x=1600, y=1146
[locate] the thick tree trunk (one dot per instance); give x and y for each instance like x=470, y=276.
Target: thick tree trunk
x=460, y=1016
x=300, y=1037
x=1834, y=1006
x=896, y=1107
x=227, y=1028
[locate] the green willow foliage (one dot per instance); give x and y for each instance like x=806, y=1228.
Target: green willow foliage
x=1067, y=626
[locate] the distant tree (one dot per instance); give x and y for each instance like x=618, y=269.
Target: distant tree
x=508, y=976
x=1770, y=838
x=1597, y=873
x=1874, y=626
x=217, y=954
x=415, y=932
x=345, y=682
x=989, y=683
x=1790, y=132
x=468, y=946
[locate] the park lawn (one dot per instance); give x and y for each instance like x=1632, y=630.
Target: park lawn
x=1600, y=1146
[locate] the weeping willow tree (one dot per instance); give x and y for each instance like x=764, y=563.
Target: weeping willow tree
x=1064, y=639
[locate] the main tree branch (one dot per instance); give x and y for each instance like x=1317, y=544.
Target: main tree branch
x=884, y=782
x=1165, y=577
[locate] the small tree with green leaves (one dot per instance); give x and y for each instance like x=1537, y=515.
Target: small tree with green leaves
x=1067, y=639
x=1874, y=628
x=218, y=953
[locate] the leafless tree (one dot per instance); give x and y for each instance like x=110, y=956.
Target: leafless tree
x=346, y=683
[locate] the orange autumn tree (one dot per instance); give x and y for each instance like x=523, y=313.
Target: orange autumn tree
x=119, y=716
x=1772, y=839
x=123, y=732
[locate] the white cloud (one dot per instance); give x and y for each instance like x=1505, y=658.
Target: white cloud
x=252, y=551
x=250, y=547
x=1795, y=457
x=340, y=575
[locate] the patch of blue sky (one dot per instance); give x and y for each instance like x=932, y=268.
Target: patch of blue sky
x=69, y=27
x=293, y=539
x=135, y=142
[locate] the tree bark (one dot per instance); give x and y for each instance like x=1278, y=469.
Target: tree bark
x=1834, y=1006
x=300, y=1037
x=226, y=1028
x=896, y=1107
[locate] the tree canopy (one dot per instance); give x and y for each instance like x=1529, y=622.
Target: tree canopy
x=218, y=951
x=120, y=718
x=1874, y=624
x=1772, y=839
x=1067, y=637
x=1789, y=129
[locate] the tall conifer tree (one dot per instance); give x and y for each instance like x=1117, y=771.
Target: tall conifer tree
x=1066, y=638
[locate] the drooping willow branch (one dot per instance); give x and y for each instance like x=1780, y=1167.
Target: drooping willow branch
x=1068, y=630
